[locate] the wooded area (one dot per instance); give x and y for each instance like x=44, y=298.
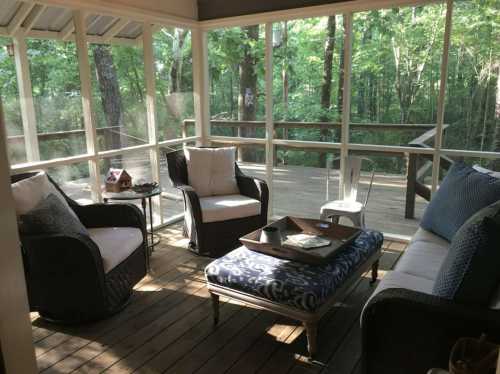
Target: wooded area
x=395, y=80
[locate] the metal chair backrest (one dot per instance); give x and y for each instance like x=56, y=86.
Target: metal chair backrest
x=352, y=176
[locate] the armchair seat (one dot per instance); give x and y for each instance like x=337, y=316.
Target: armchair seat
x=224, y=208
x=115, y=244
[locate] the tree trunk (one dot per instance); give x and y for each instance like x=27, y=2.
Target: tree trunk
x=496, y=135
x=340, y=92
x=176, y=68
x=247, y=100
x=111, y=99
x=326, y=84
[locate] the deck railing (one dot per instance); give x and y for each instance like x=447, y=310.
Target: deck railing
x=418, y=165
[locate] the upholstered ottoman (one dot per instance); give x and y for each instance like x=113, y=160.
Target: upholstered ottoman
x=297, y=290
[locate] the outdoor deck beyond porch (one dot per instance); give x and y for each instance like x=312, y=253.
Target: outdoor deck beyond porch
x=298, y=191
x=168, y=328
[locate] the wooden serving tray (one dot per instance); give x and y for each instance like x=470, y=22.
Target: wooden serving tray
x=339, y=235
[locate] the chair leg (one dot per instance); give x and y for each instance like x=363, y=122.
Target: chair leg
x=215, y=306
x=312, y=336
x=374, y=272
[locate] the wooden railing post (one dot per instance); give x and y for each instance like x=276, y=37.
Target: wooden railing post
x=411, y=186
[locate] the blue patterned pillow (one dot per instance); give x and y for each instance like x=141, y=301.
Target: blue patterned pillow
x=50, y=216
x=470, y=272
x=462, y=193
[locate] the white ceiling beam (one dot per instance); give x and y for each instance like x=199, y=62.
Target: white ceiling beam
x=35, y=14
x=54, y=35
x=67, y=30
x=93, y=22
x=115, y=29
x=19, y=17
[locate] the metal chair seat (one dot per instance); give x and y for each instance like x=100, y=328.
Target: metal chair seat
x=349, y=207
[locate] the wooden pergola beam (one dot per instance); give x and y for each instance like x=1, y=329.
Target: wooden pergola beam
x=19, y=18
x=115, y=29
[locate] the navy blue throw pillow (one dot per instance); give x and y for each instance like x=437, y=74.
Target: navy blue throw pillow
x=470, y=272
x=50, y=216
x=463, y=192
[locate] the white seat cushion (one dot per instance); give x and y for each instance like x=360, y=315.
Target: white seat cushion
x=396, y=279
x=211, y=171
x=342, y=206
x=115, y=244
x=424, y=256
x=223, y=208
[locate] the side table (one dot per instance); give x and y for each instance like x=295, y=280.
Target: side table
x=129, y=195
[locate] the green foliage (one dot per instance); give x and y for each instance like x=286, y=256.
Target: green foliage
x=396, y=66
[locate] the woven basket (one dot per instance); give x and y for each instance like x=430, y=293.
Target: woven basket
x=473, y=356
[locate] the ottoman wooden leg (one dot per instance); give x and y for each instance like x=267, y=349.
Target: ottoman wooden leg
x=312, y=336
x=215, y=306
x=374, y=272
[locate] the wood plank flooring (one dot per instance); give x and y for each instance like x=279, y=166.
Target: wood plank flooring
x=167, y=328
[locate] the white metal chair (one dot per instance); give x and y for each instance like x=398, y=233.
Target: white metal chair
x=349, y=206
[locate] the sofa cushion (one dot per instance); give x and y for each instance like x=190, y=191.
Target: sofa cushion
x=425, y=236
x=471, y=271
x=463, y=192
x=30, y=191
x=295, y=284
x=423, y=259
x=50, y=216
x=396, y=279
x=115, y=244
x=223, y=208
x=211, y=171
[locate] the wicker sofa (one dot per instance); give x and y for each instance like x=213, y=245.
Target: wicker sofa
x=408, y=330
x=80, y=278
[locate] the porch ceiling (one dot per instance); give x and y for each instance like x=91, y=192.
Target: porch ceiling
x=213, y=9
x=38, y=20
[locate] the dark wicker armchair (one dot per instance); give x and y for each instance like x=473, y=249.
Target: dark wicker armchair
x=409, y=332
x=216, y=238
x=65, y=274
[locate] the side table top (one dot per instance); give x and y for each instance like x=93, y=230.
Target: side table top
x=130, y=194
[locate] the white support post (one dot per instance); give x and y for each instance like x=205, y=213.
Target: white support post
x=442, y=97
x=269, y=114
x=200, y=84
x=149, y=74
x=346, y=103
x=26, y=98
x=86, y=92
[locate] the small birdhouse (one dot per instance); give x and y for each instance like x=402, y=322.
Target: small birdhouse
x=118, y=180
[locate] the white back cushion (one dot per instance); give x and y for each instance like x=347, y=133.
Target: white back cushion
x=30, y=191
x=211, y=170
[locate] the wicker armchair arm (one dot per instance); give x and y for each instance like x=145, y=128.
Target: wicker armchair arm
x=256, y=189
x=55, y=249
x=408, y=331
x=59, y=267
x=111, y=215
x=192, y=201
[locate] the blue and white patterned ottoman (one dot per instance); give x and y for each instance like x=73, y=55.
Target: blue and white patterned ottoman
x=301, y=291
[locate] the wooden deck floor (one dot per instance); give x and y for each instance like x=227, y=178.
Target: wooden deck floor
x=167, y=328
